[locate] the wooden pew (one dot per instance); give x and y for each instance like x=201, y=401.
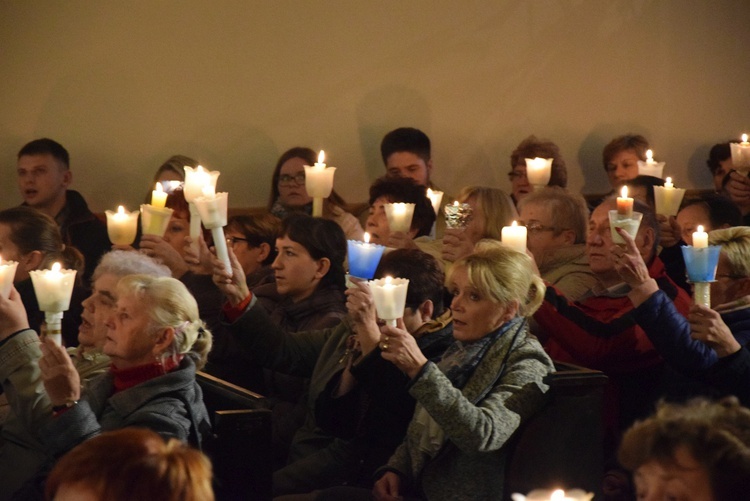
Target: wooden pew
x=562, y=445
x=240, y=447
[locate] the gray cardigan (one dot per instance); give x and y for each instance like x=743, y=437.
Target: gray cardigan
x=477, y=421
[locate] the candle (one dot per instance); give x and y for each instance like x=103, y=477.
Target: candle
x=122, y=226
x=741, y=154
x=158, y=196
x=667, y=199
x=457, y=216
x=212, y=208
x=538, y=171
x=514, y=236
x=319, y=183
x=435, y=198
x=364, y=257
x=624, y=204
x=53, y=289
x=650, y=167
x=389, y=295
x=554, y=495
x=196, y=179
x=399, y=216
x=7, y=276
x=155, y=220
x=700, y=238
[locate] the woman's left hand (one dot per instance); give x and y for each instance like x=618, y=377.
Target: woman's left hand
x=456, y=244
x=629, y=262
x=706, y=325
x=61, y=379
x=158, y=248
x=198, y=256
x=400, y=348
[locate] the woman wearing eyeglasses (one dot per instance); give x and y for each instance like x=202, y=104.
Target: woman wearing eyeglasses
x=288, y=193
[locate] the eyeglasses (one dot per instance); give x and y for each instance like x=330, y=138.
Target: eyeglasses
x=234, y=240
x=298, y=178
x=535, y=227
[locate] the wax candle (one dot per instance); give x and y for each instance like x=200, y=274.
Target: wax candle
x=435, y=198
x=319, y=183
x=554, y=495
x=650, y=167
x=624, y=204
x=457, y=215
x=7, y=275
x=399, y=216
x=741, y=154
x=158, y=197
x=122, y=226
x=196, y=179
x=538, y=171
x=700, y=238
x=53, y=289
x=212, y=208
x=389, y=295
x=667, y=198
x=514, y=236
x=364, y=257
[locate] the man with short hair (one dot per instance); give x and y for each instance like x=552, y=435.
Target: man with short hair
x=556, y=222
x=406, y=153
x=599, y=330
x=44, y=176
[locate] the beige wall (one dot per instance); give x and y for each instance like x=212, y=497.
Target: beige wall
x=125, y=84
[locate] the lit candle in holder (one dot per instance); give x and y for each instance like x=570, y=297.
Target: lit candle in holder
x=158, y=196
x=514, y=236
x=701, y=261
x=554, y=495
x=319, y=183
x=7, y=274
x=389, y=295
x=538, y=171
x=53, y=289
x=667, y=199
x=122, y=226
x=212, y=208
x=457, y=215
x=155, y=220
x=624, y=204
x=436, y=197
x=195, y=180
x=650, y=167
x=399, y=216
x=741, y=154
x=364, y=257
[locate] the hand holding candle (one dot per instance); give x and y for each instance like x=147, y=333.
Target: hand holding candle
x=213, y=212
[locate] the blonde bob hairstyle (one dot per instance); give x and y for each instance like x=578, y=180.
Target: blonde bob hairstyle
x=735, y=244
x=495, y=208
x=503, y=275
x=168, y=303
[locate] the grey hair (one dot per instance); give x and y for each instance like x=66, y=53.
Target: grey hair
x=121, y=263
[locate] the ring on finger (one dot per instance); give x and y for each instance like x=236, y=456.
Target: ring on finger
x=384, y=346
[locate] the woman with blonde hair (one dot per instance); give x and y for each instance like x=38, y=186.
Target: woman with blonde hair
x=133, y=463
x=471, y=401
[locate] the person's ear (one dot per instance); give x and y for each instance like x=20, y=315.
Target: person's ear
x=164, y=339
x=511, y=310
x=264, y=251
x=323, y=265
x=646, y=247
x=32, y=261
x=426, y=310
x=569, y=237
x=743, y=287
x=67, y=177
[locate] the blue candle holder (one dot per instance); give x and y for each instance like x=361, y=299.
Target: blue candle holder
x=363, y=258
x=701, y=263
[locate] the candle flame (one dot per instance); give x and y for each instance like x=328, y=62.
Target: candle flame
x=455, y=204
x=56, y=267
x=159, y=188
x=557, y=495
x=120, y=209
x=429, y=192
x=624, y=192
x=649, y=155
x=669, y=180
x=388, y=280
x=699, y=229
x=744, y=138
x=514, y=223
x=199, y=169
x=367, y=238
x=321, y=157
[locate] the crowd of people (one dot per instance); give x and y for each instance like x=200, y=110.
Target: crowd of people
x=362, y=409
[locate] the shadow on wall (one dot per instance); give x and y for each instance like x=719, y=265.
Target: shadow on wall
x=697, y=168
x=590, y=154
x=383, y=110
